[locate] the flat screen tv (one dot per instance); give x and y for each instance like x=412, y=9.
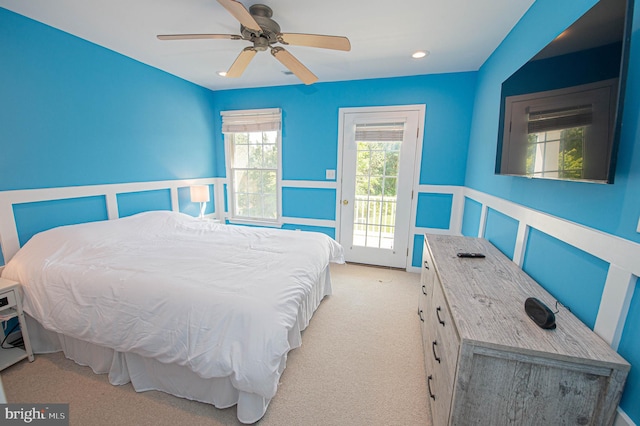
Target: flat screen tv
x=561, y=112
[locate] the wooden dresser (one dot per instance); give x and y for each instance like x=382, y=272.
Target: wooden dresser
x=488, y=363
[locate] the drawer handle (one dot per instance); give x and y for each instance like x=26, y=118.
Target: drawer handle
x=424, y=289
x=433, y=348
x=429, y=379
x=426, y=265
x=438, y=309
x=420, y=315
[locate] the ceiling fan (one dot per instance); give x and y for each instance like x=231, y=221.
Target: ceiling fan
x=257, y=27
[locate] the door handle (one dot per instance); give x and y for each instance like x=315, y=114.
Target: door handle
x=345, y=202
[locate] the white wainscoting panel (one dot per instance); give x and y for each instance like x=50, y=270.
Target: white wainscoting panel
x=9, y=233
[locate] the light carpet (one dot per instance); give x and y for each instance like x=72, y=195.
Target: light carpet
x=360, y=363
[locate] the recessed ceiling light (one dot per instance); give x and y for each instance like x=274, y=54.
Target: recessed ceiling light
x=222, y=73
x=420, y=54
x=287, y=72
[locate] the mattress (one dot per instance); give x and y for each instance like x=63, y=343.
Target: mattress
x=217, y=301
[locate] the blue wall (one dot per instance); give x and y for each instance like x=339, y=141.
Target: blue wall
x=610, y=208
x=629, y=348
x=501, y=230
x=434, y=210
x=32, y=218
x=310, y=121
x=73, y=113
x=574, y=277
x=310, y=135
x=471, y=218
x=566, y=272
x=131, y=203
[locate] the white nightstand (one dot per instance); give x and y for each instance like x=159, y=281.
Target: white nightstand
x=11, y=307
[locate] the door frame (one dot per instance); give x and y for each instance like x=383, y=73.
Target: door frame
x=421, y=109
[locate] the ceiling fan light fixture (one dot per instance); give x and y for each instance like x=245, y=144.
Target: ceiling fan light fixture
x=420, y=54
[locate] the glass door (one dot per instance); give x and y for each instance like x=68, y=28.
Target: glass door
x=377, y=179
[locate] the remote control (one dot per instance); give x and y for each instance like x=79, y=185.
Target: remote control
x=478, y=255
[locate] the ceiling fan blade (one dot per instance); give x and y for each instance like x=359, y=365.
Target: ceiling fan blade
x=199, y=36
x=316, y=40
x=294, y=65
x=241, y=13
x=241, y=62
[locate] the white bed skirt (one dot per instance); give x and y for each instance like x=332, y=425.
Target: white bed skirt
x=148, y=374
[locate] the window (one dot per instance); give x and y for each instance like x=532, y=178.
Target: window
x=252, y=140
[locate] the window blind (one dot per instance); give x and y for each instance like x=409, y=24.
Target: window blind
x=251, y=121
x=558, y=119
x=380, y=132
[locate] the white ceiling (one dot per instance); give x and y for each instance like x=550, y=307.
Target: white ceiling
x=459, y=34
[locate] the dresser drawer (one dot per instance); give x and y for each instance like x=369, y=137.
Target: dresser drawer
x=440, y=346
x=422, y=310
x=428, y=336
x=448, y=341
x=440, y=383
x=426, y=290
x=7, y=299
x=428, y=271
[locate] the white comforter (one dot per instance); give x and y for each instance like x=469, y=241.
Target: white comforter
x=218, y=299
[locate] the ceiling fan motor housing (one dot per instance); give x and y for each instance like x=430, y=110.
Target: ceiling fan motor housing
x=270, y=28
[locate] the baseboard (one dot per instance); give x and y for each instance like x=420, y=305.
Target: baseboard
x=622, y=419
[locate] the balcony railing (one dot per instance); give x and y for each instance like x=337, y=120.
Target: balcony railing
x=374, y=221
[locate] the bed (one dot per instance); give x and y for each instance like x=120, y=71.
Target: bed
x=168, y=302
